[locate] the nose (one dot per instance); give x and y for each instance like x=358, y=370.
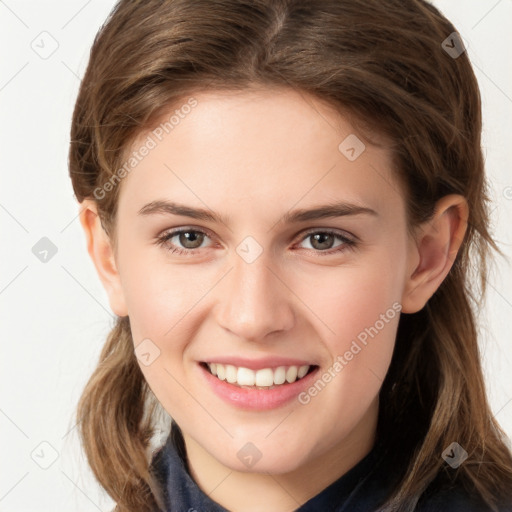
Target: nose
x=254, y=301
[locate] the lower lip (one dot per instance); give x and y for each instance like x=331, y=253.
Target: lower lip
x=257, y=399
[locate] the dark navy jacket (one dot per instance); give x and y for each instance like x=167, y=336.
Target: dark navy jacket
x=362, y=489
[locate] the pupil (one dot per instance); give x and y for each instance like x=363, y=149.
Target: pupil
x=324, y=239
x=191, y=237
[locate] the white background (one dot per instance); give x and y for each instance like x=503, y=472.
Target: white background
x=55, y=315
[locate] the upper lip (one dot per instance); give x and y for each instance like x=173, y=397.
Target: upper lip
x=258, y=364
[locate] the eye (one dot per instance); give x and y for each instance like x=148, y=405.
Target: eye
x=183, y=241
x=187, y=241
x=323, y=241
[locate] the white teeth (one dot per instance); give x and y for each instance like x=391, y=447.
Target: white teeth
x=302, y=371
x=221, y=371
x=266, y=377
x=231, y=373
x=291, y=374
x=245, y=377
x=280, y=375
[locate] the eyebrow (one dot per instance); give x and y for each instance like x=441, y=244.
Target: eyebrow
x=338, y=209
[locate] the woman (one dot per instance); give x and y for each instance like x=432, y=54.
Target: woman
x=285, y=201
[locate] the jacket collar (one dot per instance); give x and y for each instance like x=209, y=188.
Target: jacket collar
x=362, y=488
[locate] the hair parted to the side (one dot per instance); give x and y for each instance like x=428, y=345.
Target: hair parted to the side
x=379, y=62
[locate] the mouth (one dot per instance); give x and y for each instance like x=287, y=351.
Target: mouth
x=261, y=379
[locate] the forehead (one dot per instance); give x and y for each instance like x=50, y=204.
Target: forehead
x=260, y=148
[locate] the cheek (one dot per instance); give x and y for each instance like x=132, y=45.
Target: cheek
x=361, y=304
x=154, y=307
x=158, y=295
x=360, y=307
x=164, y=306
x=350, y=299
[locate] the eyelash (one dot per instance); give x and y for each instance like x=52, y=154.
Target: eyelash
x=163, y=240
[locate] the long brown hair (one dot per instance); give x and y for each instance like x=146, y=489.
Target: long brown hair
x=382, y=63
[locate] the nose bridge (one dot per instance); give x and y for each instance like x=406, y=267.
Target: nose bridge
x=254, y=302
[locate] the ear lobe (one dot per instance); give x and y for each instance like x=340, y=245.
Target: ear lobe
x=99, y=247
x=437, y=244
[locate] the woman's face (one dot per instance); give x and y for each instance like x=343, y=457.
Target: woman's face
x=294, y=253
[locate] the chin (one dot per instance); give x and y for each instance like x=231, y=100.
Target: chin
x=250, y=459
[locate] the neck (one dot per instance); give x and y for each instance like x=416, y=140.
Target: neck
x=285, y=491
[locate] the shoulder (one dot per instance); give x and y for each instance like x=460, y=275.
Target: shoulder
x=454, y=498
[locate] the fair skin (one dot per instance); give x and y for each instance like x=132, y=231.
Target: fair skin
x=253, y=157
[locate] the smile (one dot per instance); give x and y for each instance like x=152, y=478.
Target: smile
x=264, y=378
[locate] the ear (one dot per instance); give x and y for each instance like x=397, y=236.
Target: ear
x=433, y=251
x=100, y=248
